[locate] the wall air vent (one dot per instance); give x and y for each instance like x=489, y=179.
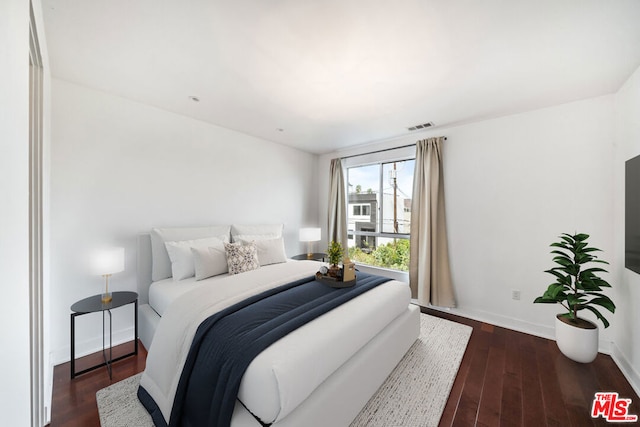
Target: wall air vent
x=421, y=126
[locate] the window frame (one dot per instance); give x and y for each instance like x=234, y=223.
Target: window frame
x=380, y=159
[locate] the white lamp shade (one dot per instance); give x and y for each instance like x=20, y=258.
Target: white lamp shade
x=310, y=234
x=107, y=261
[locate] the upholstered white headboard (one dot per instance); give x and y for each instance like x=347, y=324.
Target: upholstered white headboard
x=146, y=241
x=144, y=267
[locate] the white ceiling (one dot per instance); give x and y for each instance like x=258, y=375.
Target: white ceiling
x=328, y=74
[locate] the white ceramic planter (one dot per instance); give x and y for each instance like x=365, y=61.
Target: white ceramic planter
x=576, y=343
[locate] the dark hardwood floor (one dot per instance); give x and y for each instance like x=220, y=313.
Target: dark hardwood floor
x=74, y=400
x=509, y=378
x=506, y=378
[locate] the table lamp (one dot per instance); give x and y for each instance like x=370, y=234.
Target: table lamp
x=310, y=235
x=105, y=263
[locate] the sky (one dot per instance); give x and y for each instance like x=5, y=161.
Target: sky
x=368, y=176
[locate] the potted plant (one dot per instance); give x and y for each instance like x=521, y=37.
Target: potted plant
x=334, y=253
x=577, y=287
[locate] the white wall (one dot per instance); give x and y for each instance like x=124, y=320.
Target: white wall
x=512, y=185
x=626, y=350
x=119, y=168
x=14, y=212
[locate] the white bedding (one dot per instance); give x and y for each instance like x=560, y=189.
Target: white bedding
x=285, y=374
x=163, y=292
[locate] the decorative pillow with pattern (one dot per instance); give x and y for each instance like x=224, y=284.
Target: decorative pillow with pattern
x=241, y=258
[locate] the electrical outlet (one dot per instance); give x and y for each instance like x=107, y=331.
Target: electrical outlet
x=515, y=294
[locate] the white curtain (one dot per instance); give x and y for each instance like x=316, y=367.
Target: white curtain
x=429, y=272
x=337, y=230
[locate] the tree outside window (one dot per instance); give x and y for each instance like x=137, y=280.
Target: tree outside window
x=380, y=218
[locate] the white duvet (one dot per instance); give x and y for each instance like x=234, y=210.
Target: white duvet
x=287, y=372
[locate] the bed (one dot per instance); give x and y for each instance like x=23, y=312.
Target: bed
x=320, y=374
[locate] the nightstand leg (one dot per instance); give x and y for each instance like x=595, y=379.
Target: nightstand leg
x=104, y=355
x=73, y=345
x=110, y=343
x=135, y=338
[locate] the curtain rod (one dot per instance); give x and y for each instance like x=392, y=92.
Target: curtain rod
x=381, y=151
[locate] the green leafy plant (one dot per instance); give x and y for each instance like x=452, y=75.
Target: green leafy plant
x=577, y=286
x=390, y=255
x=334, y=252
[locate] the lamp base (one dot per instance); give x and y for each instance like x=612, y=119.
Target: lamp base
x=106, y=298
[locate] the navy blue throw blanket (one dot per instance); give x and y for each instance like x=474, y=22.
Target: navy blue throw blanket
x=226, y=343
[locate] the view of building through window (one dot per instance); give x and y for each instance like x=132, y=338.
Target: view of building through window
x=379, y=213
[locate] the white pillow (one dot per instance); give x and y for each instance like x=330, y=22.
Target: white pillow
x=253, y=237
x=161, y=264
x=210, y=261
x=182, y=263
x=270, y=251
x=269, y=231
x=241, y=258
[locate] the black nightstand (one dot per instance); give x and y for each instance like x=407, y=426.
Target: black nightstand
x=316, y=256
x=94, y=304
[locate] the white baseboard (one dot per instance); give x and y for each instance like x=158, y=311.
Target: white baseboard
x=513, y=324
x=627, y=369
x=91, y=346
x=502, y=321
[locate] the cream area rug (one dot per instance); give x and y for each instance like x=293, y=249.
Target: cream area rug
x=414, y=394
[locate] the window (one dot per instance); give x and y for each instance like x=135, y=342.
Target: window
x=379, y=220
x=361, y=210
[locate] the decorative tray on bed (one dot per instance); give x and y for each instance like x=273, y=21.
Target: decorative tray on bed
x=334, y=282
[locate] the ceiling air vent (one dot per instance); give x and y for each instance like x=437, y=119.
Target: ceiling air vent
x=421, y=126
